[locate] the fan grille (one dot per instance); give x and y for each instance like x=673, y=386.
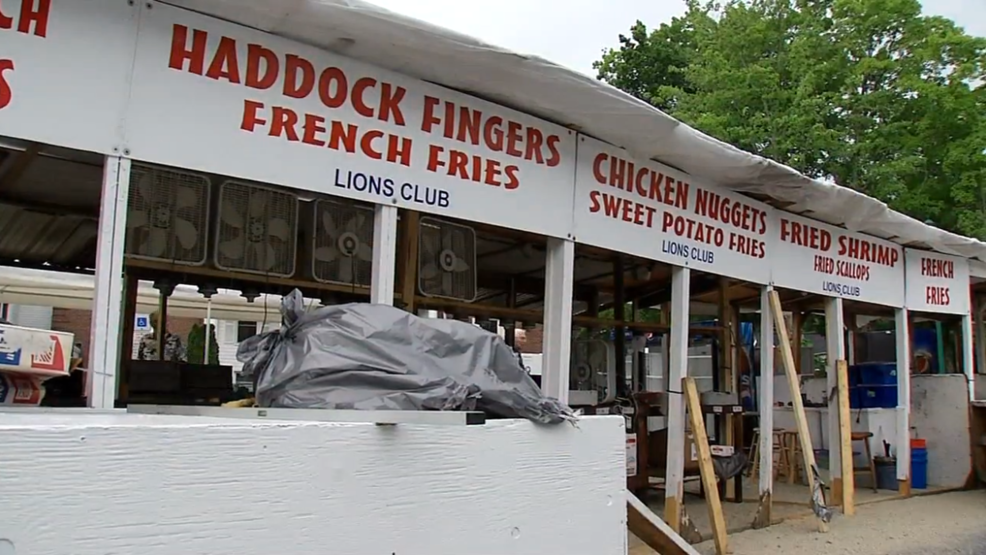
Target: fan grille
x=167, y=215
x=343, y=240
x=257, y=230
x=447, y=260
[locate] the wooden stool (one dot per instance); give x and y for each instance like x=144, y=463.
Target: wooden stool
x=871, y=466
x=754, y=468
x=790, y=465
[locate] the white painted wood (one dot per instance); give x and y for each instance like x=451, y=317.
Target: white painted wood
x=980, y=334
x=658, y=523
x=105, y=328
x=766, y=402
x=903, y=443
x=169, y=484
x=968, y=363
x=557, y=346
x=429, y=417
x=384, y=254
x=835, y=348
x=678, y=370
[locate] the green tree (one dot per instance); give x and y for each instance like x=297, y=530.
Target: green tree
x=196, y=344
x=869, y=93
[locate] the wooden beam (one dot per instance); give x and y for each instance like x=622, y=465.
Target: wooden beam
x=845, y=440
x=653, y=531
x=15, y=166
x=804, y=435
x=409, y=273
x=708, y=473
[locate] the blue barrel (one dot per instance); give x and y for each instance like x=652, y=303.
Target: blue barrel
x=919, y=464
x=873, y=385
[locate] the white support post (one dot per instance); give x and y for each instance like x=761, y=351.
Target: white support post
x=384, y=273
x=678, y=364
x=903, y=395
x=766, y=402
x=557, y=346
x=968, y=364
x=835, y=347
x=105, y=327
x=980, y=343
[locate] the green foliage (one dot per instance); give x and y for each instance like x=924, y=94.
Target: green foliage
x=869, y=93
x=196, y=344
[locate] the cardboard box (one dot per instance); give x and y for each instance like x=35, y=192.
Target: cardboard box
x=23, y=390
x=35, y=352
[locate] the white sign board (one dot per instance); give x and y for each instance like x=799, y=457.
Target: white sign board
x=650, y=210
x=213, y=96
x=814, y=257
x=937, y=282
x=64, y=70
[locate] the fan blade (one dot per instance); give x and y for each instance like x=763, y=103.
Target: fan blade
x=326, y=254
x=459, y=265
x=356, y=222
x=329, y=224
x=145, y=186
x=231, y=217
x=279, y=228
x=364, y=252
x=430, y=271
x=157, y=242
x=430, y=246
x=186, y=233
x=185, y=197
x=137, y=218
x=270, y=256
x=232, y=249
x=346, y=270
x=258, y=201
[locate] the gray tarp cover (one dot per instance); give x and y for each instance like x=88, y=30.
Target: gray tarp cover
x=377, y=357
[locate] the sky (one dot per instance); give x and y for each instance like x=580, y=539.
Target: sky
x=574, y=33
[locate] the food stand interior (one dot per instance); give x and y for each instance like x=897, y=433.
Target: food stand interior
x=50, y=199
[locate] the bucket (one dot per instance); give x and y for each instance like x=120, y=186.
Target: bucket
x=886, y=473
x=919, y=464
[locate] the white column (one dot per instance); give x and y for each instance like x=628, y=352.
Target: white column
x=678, y=370
x=105, y=327
x=980, y=343
x=382, y=280
x=968, y=364
x=903, y=394
x=766, y=393
x=835, y=347
x=557, y=345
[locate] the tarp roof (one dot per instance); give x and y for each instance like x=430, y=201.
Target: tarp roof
x=367, y=32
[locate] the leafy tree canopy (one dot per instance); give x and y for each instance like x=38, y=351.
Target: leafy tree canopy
x=869, y=93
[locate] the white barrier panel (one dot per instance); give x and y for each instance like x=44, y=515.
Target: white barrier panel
x=218, y=97
x=653, y=211
x=937, y=282
x=64, y=70
x=92, y=484
x=819, y=258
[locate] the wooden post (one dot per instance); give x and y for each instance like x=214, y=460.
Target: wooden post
x=678, y=370
x=845, y=439
x=804, y=435
x=409, y=273
x=131, y=285
x=706, y=469
x=765, y=405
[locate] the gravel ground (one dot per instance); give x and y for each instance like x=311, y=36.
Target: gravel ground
x=946, y=524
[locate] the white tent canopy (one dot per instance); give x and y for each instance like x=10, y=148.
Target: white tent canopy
x=75, y=291
x=361, y=30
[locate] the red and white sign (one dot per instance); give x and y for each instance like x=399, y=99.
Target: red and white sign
x=650, y=210
x=65, y=69
x=214, y=96
x=631, y=454
x=819, y=258
x=937, y=282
